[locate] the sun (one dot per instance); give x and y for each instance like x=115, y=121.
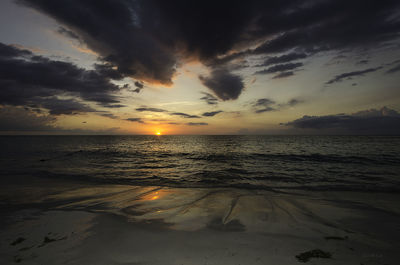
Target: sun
x=158, y=133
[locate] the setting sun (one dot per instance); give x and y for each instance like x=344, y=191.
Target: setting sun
x=158, y=133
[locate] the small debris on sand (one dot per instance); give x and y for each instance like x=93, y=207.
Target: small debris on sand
x=47, y=240
x=25, y=248
x=17, y=241
x=336, y=238
x=315, y=253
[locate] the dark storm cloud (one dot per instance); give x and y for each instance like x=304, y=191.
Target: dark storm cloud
x=349, y=75
x=107, y=71
x=151, y=109
x=225, y=60
x=196, y=123
x=114, y=29
x=184, y=115
x=210, y=99
x=280, y=68
x=64, y=106
x=27, y=79
x=332, y=25
x=145, y=39
x=224, y=84
x=383, y=121
x=139, y=120
x=211, y=114
x=283, y=58
x=7, y=52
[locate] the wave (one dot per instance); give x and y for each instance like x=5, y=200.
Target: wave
x=213, y=183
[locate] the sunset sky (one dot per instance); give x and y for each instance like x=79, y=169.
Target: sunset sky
x=199, y=67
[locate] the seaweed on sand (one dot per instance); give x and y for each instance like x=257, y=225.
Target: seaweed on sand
x=315, y=253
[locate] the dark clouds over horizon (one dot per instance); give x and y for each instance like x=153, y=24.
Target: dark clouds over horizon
x=147, y=40
x=37, y=82
x=384, y=121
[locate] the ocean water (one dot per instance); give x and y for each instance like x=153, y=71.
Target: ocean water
x=323, y=163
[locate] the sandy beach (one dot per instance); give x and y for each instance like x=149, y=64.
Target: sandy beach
x=63, y=223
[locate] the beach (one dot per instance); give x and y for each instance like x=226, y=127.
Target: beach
x=77, y=223
x=153, y=132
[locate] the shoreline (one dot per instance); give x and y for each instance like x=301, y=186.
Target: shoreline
x=118, y=224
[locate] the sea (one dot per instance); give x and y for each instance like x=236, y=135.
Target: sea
x=320, y=163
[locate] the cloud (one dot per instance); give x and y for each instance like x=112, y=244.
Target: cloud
x=139, y=86
x=332, y=25
x=283, y=58
x=30, y=80
x=109, y=115
x=148, y=39
x=349, y=75
x=283, y=75
x=393, y=70
x=266, y=105
x=224, y=84
x=184, y=115
x=151, y=109
x=279, y=68
x=112, y=29
x=294, y=102
x=211, y=114
x=196, y=123
x=19, y=119
x=139, y=120
x=113, y=106
x=64, y=106
x=68, y=33
x=362, y=62
x=383, y=121
x=210, y=99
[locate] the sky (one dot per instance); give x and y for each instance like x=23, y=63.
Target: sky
x=199, y=67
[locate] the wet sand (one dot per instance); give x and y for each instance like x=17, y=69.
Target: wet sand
x=76, y=223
